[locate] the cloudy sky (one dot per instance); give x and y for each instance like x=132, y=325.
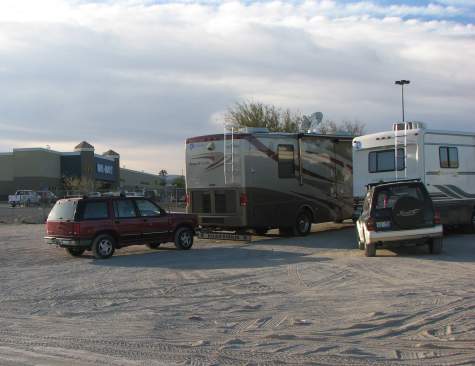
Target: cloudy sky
x=140, y=76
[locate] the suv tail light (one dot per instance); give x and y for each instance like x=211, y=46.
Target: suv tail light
x=76, y=229
x=436, y=217
x=371, y=224
x=243, y=200
x=187, y=200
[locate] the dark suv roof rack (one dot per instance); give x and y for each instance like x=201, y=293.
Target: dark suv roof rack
x=369, y=185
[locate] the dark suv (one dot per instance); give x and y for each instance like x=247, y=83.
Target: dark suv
x=398, y=212
x=104, y=224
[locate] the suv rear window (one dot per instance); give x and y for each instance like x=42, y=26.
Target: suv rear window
x=387, y=196
x=63, y=210
x=95, y=210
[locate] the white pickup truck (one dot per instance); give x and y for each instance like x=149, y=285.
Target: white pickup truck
x=24, y=197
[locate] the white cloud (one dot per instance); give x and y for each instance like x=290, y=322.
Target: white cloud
x=140, y=77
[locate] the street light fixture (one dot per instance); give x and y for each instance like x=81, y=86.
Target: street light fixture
x=402, y=83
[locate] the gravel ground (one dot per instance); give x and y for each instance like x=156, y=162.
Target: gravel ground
x=312, y=300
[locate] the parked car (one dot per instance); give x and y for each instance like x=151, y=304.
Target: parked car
x=398, y=213
x=47, y=197
x=104, y=224
x=24, y=197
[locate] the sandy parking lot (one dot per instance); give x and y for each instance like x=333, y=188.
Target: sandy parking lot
x=312, y=300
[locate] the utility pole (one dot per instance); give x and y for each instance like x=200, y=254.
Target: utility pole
x=402, y=83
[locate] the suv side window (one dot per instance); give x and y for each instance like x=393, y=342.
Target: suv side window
x=147, y=208
x=124, y=209
x=95, y=210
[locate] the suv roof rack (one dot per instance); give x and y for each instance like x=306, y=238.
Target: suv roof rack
x=369, y=185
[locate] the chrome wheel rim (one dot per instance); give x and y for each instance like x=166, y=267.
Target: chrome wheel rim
x=105, y=247
x=186, y=239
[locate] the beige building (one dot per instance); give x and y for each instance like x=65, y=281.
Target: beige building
x=44, y=169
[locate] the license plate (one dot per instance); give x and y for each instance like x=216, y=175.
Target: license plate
x=383, y=224
x=224, y=236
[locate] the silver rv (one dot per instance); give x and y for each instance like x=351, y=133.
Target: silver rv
x=259, y=180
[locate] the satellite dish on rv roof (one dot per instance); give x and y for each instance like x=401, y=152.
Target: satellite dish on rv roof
x=314, y=119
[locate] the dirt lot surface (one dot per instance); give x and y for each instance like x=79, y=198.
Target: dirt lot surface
x=312, y=300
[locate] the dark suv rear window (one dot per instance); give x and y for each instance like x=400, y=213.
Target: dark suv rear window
x=95, y=210
x=63, y=210
x=387, y=196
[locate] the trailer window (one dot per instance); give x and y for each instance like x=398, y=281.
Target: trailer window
x=449, y=157
x=286, y=161
x=383, y=161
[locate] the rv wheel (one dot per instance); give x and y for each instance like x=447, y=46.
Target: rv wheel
x=471, y=226
x=260, y=231
x=303, y=223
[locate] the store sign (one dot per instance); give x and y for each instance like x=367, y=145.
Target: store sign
x=105, y=169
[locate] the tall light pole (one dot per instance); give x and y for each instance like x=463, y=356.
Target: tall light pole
x=402, y=83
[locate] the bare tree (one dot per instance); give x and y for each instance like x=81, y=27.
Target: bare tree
x=353, y=128
x=78, y=185
x=163, y=177
x=256, y=114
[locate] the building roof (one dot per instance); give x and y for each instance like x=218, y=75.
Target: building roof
x=110, y=153
x=84, y=145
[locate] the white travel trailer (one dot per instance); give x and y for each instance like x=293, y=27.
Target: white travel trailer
x=443, y=160
x=258, y=180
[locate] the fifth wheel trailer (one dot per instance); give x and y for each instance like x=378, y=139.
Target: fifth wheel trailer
x=259, y=180
x=443, y=160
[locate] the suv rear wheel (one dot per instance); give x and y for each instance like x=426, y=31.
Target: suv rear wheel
x=435, y=246
x=76, y=252
x=370, y=250
x=184, y=238
x=153, y=245
x=103, y=246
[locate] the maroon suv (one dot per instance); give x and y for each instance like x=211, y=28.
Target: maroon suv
x=103, y=224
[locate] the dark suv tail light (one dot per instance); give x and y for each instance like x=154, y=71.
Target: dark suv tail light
x=243, y=201
x=187, y=200
x=76, y=229
x=436, y=217
x=371, y=224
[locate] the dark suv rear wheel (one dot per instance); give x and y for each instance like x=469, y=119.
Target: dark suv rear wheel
x=370, y=250
x=184, y=238
x=153, y=245
x=76, y=252
x=435, y=246
x=103, y=246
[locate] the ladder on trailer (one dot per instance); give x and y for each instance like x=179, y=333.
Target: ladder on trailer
x=397, y=128
x=231, y=155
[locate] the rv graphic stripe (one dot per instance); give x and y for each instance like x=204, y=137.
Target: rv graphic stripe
x=447, y=191
x=460, y=192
